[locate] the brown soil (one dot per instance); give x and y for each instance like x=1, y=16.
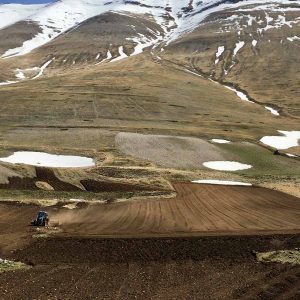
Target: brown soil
x=218, y=266
x=102, y=186
x=197, y=209
x=200, y=268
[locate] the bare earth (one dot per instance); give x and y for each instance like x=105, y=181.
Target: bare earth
x=197, y=208
x=168, y=151
x=199, y=245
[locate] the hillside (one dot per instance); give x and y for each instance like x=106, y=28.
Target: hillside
x=82, y=73
x=153, y=146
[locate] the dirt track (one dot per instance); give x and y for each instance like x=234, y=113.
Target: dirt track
x=197, y=209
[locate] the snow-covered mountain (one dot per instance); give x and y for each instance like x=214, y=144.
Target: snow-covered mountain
x=249, y=44
x=175, y=17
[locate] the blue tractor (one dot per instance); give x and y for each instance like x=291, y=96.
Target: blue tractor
x=42, y=219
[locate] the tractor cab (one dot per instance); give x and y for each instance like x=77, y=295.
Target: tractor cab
x=42, y=219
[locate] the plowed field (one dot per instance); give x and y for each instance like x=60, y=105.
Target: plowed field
x=156, y=249
x=197, y=209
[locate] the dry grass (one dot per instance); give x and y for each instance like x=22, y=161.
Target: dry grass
x=81, y=109
x=282, y=256
x=7, y=266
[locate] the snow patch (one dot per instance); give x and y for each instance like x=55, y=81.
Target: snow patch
x=220, y=141
x=108, y=58
x=5, y=261
x=288, y=140
x=108, y=55
x=240, y=94
x=226, y=165
x=222, y=182
x=194, y=73
x=238, y=47
x=293, y=38
x=20, y=74
x=48, y=160
x=272, y=110
x=43, y=68
x=121, y=56
x=7, y=82
x=142, y=42
x=219, y=53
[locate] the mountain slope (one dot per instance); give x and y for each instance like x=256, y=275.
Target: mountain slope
x=255, y=48
x=175, y=18
x=247, y=43
x=251, y=46
x=72, y=80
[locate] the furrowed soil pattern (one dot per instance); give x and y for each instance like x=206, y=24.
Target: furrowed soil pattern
x=197, y=209
x=201, y=244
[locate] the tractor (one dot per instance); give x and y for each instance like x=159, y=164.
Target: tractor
x=42, y=219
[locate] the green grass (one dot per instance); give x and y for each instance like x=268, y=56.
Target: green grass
x=282, y=256
x=263, y=161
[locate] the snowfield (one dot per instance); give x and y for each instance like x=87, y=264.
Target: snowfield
x=48, y=160
x=13, y=13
